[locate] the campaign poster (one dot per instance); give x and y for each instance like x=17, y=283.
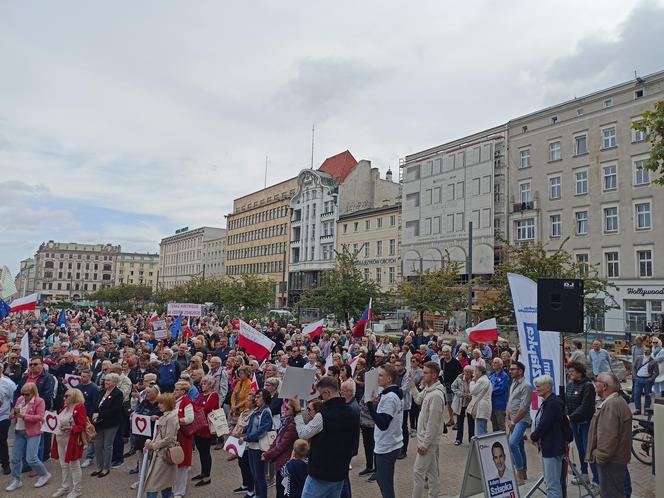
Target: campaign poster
x=160, y=329
x=497, y=466
x=184, y=309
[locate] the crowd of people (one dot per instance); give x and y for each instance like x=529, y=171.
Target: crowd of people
x=428, y=385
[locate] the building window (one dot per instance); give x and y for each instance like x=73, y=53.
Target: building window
x=391, y=275
x=612, y=263
x=609, y=137
x=581, y=182
x=644, y=259
x=356, y=249
x=379, y=222
x=367, y=225
x=366, y=249
x=554, y=151
x=393, y=220
x=608, y=102
x=582, y=263
x=378, y=276
x=524, y=158
x=641, y=174
x=580, y=145
x=610, y=219
x=610, y=175
x=525, y=229
x=524, y=192
x=638, y=93
x=356, y=227
x=581, y=222
x=393, y=247
x=345, y=228
x=555, y=223
x=637, y=135
x=554, y=187
x=366, y=274
x=379, y=248
x=450, y=223
x=642, y=215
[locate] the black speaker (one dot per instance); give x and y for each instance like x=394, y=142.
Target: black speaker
x=560, y=305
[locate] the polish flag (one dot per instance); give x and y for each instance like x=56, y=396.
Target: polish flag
x=27, y=303
x=254, y=383
x=253, y=342
x=353, y=364
x=485, y=331
x=153, y=317
x=315, y=329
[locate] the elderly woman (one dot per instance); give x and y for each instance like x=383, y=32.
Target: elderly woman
x=477, y=359
x=258, y=426
x=461, y=390
x=160, y=476
x=185, y=411
x=208, y=400
x=243, y=462
x=29, y=415
x=549, y=435
x=480, y=400
x=280, y=451
x=149, y=407
x=106, y=419
x=67, y=445
x=240, y=391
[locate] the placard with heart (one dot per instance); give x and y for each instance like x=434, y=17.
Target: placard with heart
x=234, y=447
x=140, y=425
x=51, y=423
x=72, y=380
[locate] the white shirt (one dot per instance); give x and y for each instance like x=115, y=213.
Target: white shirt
x=7, y=388
x=391, y=438
x=643, y=371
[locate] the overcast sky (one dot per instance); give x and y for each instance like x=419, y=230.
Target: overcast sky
x=122, y=121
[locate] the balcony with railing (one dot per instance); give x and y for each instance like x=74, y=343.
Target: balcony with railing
x=327, y=215
x=327, y=237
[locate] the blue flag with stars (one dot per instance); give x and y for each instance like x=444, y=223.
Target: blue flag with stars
x=4, y=310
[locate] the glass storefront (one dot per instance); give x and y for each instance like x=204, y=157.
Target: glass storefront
x=639, y=312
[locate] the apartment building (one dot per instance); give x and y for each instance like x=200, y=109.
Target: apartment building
x=132, y=268
x=214, y=257
x=444, y=189
x=68, y=270
x=181, y=255
x=7, y=283
x=257, y=241
x=25, y=281
x=576, y=175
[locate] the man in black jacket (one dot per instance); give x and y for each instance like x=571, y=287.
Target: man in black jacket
x=580, y=405
x=333, y=431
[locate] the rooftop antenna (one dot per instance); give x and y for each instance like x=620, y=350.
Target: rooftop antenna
x=265, y=184
x=313, y=131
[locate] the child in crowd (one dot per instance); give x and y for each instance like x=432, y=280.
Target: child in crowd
x=295, y=470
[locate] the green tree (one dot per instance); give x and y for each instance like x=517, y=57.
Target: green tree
x=438, y=290
x=652, y=125
x=247, y=292
x=122, y=294
x=343, y=291
x=539, y=261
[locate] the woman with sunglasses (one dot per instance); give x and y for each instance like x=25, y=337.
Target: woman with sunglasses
x=67, y=445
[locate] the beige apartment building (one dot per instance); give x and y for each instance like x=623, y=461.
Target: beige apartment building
x=181, y=255
x=372, y=234
x=214, y=256
x=71, y=270
x=132, y=268
x=576, y=172
x=257, y=241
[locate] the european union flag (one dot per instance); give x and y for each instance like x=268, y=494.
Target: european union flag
x=4, y=310
x=175, y=329
x=62, y=319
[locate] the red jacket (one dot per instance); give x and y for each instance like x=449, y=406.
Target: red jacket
x=209, y=403
x=74, y=446
x=282, y=447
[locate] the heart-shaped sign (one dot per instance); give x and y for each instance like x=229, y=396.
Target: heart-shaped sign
x=231, y=448
x=51, y=421
x=72, y=380
x=141, y=423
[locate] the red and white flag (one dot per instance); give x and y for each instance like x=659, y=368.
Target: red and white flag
x=153, y=317
x=27, y=303
x=315, y=329
x=254, y=383
x=485, y=331
x=353, y=364
x=253, y=342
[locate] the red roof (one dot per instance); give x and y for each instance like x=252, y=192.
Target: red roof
x=339, y=166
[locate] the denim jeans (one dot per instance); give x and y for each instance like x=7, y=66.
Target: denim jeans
x=516, y=445
x=385, y=472
x=346, y=492
x=28, y=447
x=481, y=426
x=257, y=467
x=316, y=488
x=580, y=432
x=552, y=468
x=165, y=493
x=642, y=387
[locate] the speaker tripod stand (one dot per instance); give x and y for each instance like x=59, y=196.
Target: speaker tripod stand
x=579, y=478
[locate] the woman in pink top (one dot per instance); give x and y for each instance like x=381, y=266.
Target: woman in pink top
x=29, y=415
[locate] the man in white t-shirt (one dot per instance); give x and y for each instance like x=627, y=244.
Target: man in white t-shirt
x=7, y=388
x=386, y=411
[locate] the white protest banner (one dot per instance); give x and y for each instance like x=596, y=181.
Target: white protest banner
x=218, y=423
x=234, y=447
x=72, y=380
x=160, y=329
x=51, y=423
x=140, y=425
x=409, y=356
x=184, y=309
x=370, y=384
x=297, y=382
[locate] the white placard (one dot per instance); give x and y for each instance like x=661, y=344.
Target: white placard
x=234, y=447
x=370, y=384
x=140, y=425
x=72, y=380
x=218, y=423
x=51, y=423
x=160, y=329
x=184, y=309
x=297, y=382
x=409, y=356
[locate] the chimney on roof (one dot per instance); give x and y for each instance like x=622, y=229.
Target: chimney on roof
x=388, y=175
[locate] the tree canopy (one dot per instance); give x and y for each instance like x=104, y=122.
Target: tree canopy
x=652, y=125
x=121, y=294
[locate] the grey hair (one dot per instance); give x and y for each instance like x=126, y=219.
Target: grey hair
x=273, y=381
x=498, y=361
x=446, y=349
x=610, y=379
x=544, y=380
x=113, y=377
x=350, y=384
x=209, y=378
